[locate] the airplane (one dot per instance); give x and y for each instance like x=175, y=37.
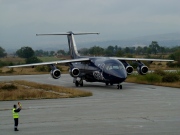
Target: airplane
x=108, y=70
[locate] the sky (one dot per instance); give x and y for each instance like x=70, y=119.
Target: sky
x=21, y=20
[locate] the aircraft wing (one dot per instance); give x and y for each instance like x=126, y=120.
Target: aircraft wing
x=51, y=63
x=142, y=59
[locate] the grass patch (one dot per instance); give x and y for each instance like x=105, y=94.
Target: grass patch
x=31, y=71
x=150, y=78
x=160, y=78
x=47, y=59
x=29, y=90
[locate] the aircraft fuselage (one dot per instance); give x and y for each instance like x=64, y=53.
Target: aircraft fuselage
x=101, y=69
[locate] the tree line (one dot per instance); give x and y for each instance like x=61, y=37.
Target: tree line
x=154, y=48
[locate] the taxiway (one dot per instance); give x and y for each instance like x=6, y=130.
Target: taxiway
x=135, y=110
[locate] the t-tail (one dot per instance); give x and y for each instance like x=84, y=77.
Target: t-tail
x=71, y=41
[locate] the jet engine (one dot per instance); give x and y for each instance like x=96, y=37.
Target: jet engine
x=142, y=69
x=128, y=67
x=55, y=73
x=129, y=70
x=74, y=72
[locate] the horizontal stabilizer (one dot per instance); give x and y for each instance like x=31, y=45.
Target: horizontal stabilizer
x=68, y=33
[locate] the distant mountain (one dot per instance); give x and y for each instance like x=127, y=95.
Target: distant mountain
x=169, y=40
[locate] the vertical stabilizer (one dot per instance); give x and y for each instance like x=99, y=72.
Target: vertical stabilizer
x=72, y=46
x=71, y=41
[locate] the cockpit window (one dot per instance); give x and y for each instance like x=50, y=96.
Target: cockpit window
x=111, y=66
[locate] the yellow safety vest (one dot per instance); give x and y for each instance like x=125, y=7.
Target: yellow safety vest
x=15, y=114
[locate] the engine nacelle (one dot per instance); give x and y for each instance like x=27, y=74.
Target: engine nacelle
x=129, y=70
x=142, y=69
x=55, y=73
x=128, y=67
x=74, y=72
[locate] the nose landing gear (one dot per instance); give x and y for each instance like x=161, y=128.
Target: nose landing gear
x=119, y=86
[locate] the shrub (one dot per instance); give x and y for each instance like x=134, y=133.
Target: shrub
x=170, y=77
x=10, y=71
x=159, y=64
x=8, y=87
x=60, y=68
x=46, y=68
x=159, y=72
x=42, y=69
x=2, y=63
x=151, y=78
x=33, y=60
x=10, y=64
x=173, y=64
x=178, y=72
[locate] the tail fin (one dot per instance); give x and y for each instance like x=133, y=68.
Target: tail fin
x=71, y=41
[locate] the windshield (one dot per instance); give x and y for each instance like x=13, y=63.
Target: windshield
x=113, y=66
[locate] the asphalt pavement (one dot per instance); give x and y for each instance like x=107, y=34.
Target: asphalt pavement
x=135, y=110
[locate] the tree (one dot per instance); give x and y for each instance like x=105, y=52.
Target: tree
x=61, y=52
x=175, y=56
x=2, y=52
x=83, y=51
x=154, y=47
x=51, y=53
x=162, y=49
x=96, y=50
x=127, y=50
x=39, y=52
x=110, y=51
x=115, y=49
x=119, y=53
x=145, y=50
x=25, y=52
x=32, y=60
x=139, y=50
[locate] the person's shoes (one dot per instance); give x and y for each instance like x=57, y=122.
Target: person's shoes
x=16, y=129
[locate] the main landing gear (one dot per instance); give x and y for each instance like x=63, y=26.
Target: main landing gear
x=78, y=82
x=119, y=86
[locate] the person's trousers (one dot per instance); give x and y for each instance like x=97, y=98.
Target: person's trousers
x=15, y=122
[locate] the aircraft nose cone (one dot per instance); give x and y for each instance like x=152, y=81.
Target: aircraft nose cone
x=117, y=76
x=121, y=75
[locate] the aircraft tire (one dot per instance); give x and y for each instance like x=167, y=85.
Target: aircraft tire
x=107, y=83
x=77, y=83
x=119, y=86
x=81, y=84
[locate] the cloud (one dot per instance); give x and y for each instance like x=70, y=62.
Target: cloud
x=115, y=19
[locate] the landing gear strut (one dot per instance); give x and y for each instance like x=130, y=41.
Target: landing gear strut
x=108, y=83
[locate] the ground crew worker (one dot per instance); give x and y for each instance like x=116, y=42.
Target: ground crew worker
x=15, y=113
